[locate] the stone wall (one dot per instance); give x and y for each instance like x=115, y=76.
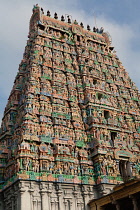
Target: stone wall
x=31, y=195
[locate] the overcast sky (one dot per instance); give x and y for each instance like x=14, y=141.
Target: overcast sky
x=121, y=18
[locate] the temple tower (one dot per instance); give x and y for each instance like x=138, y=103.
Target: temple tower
x=70, y=130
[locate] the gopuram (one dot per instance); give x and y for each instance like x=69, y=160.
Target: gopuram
x=71, y=127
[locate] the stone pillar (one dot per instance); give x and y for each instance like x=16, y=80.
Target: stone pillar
x=91, y=193
x=134, y=201
x=24, y=196
x=34, y=205
x=43, y=200
x=52, y=204
x=59, y=192
x=65, y=204
x=85, y=199
x=1, y=206
x=1, y=202
x=117, y=207
x=49, y=200
x=70, y=205
x=31, y=198
x=49, y=191
x=75, y=193
x=78, y=206
x=39, y=205
x=16, y=200
x=12, y=202
x=4, y=204
x=21, y=200
x=116, y=204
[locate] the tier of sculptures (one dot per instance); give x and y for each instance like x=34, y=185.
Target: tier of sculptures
x=73, y=113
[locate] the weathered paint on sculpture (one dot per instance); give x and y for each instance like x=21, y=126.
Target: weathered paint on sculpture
x=73, y=114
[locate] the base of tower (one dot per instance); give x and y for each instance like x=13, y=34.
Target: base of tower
x=33, y=195
x=42, y=195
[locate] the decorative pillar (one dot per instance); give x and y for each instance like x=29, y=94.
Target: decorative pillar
x=24, y=201
x=134, y=201
x=49, y=201
x=59, y=192
x=21, y=200
x=78, y=206
x=65, y=204
x=1, y=202
x=34, y=204
x=1, y=206
x=116, y=204
x=4, y=203
x=75, y=193
x=70, y=205
x=90, y=193
x=31, y=198
x=53, y=204
x=85, y=198
x=16, y=200
x=39, y=205
x=43, y=200
x=56, y=205
x=49, y=191
x=12, y=202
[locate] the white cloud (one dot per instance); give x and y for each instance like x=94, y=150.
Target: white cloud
x=122, y=39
